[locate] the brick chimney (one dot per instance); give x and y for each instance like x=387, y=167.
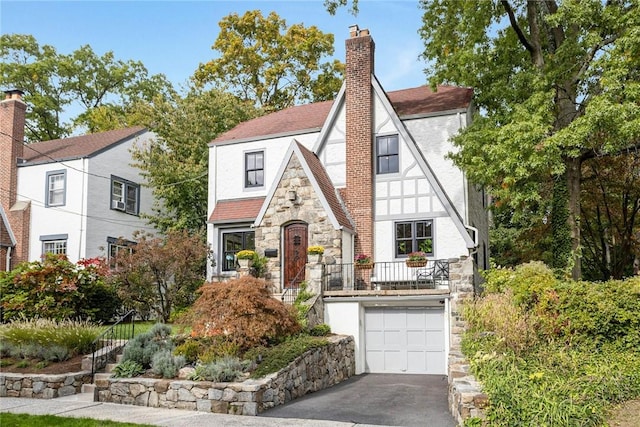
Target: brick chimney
x=12, y=123
x=358, y=194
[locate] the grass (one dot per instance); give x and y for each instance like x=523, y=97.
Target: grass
x=142, y=327
x=24, y=420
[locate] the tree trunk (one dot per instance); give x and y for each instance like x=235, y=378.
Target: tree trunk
x=573, y=176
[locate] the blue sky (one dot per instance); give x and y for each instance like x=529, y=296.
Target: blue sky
x=173, y=37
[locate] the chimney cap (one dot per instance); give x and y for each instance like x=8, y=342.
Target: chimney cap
x=354, y=30
x=14, y=94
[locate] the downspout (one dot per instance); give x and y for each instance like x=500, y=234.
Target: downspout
x=8, y=260
x=475, y=238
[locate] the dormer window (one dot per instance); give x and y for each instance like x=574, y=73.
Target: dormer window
x=387, y=154
x=125, y=195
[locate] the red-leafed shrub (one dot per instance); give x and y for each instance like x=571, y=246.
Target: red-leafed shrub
x=243, y=311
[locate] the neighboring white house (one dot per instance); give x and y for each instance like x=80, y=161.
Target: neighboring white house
x=364, y=174
x=78, y=196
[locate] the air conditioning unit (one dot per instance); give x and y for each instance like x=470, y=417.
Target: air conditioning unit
x=116, y=204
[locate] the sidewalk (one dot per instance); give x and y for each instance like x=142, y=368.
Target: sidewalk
x=79, y=406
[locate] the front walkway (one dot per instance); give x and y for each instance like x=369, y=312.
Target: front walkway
x=82, y=406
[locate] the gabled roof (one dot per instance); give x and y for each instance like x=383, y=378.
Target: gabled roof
x=236, y=210
x=338, y=209
x=321, y=183
x=77, y=147
x=311, y=117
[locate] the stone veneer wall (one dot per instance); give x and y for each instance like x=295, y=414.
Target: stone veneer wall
x=315, y=370
x=42, y=386
x=307, y=208
x=466, y=398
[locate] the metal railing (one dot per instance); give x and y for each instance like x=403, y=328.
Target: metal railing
x=385, y=276
x=291, y=290
x=104, y=346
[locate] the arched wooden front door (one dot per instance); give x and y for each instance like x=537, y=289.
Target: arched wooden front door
x=295, y=254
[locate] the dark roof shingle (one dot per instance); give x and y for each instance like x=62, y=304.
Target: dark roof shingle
x=418, y=100
x=326, y=186
x=236, y=210
x=77, y=146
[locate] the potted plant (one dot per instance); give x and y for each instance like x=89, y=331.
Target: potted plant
x=363, y=262
x=245, y=258
x=417, y=259
x=314, y=254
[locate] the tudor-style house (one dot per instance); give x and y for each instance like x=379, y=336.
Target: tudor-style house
x=365, y=175
x=77, y=196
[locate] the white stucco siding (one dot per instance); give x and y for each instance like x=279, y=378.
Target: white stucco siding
x=102, y=220
x=346, y=318
x=432, y=135
x=66, y=219
x=448, y=243
x=333, y=153
x=228, y=171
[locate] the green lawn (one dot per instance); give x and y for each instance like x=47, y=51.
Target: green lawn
x=23, y=420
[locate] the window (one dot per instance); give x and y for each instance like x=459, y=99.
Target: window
x=116, y=247
x=414, y=236
x=124, y=195
x=56, y=184
x=387, y=159
x=233, y=242
x=254, y=169
x=54, y=244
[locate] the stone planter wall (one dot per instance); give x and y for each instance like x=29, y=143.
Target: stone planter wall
x=42, y=386
x=466, y=399
x=315, y=370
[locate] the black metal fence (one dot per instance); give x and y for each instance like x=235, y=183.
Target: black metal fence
x=103, y=347
x=386, y=275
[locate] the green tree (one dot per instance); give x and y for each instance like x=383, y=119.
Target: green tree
x=270, y=64
x=175, y=164
x=104, y=88
x=556, y=84
x=161, y=274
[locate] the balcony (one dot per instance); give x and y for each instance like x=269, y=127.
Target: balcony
x=386, y=276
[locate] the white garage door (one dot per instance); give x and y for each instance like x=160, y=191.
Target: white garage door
x=405, y=340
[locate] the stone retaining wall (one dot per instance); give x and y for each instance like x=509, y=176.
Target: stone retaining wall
x=315, y=370
x=466, y=399
x=42, y=386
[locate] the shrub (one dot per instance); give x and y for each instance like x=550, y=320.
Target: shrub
x=190, y=350
x=242, y=310
x=142, y=347
x=320, y=330
x=166, y=364
x=217, y=348
x=55, y=288
x=273, y=359
x=226, y=369
x=127, y=369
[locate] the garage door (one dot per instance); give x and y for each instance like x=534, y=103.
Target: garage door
x=405, y=340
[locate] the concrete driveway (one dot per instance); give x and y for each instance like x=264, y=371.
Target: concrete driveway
x=378, y=399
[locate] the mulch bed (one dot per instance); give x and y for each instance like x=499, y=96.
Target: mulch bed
x=71, y=365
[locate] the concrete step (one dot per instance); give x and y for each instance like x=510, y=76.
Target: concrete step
x=110, y=366
x=119, y=358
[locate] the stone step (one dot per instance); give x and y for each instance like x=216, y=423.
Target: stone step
x=101, y=380
x=88, y=388
x=110, y=366
x=119, y=358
